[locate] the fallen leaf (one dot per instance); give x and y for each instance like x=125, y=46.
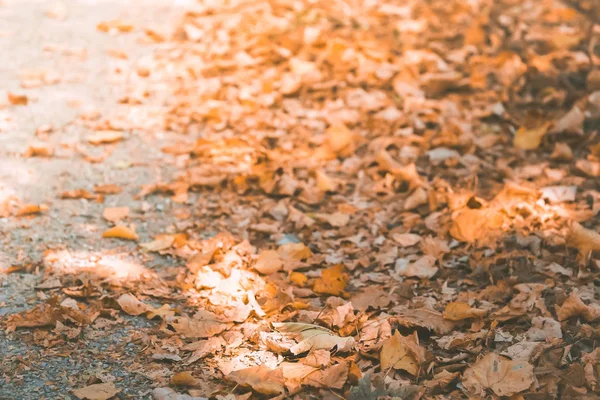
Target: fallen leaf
x=39, y=150
x=584, y=240
x=314, y=337
x=17, y=99
x=423, y=268
x=131, y=305
x=294, y=251
x=333, y=280
x=105, y=137
x=203, y=325
x=503, y=376
x=162, y=242
x=115, y=214
x=530, y=139
x=120, y=232
x=261, y=379
x=41, y=315
x=424, y=318
x=406, y=239
x=574, y=307
x=340, y=139
x=334, y=377
x=107, y=189
x=184, y=379
x=77, y=194
x=457, y=311
x=99, y=391
x=470, y=225
x=29, y=209
x=402, y=352
x=268, y=262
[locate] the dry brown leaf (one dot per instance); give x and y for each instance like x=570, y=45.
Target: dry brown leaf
x=470, y=225
x=294, y=374
x=334, y=377
x=530, y=139
x=105, y=137
x=162, y=242
x=314, y=337
x=115, y=214
x=574, y=307
x=261, y=379
x=131, y=305
x=109, y=188
x=29, y=209
x=402, y=352
x=98, y=391
x=340, y=140
x=77, y=194
x=406, y=239
x=585, y=240
x=294, y=251
x=333, y=280
x=424, y=318
x=17, y=99
x=184, y=379
x=407, y=173
x=203, y=325
x=268, y=262
x=501, y=375
x=423, y=268
x=457, y=311
x=40, y=315
x=39, y=150
x=324, y=182
x=120, y=232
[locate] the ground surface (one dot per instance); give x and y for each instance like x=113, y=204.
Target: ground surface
x=309, y=199
x=80, y=55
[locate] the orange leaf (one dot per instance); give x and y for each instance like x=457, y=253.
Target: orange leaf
x=29, y=209
x=120, y=232
x=17, y=99
x=332, y=281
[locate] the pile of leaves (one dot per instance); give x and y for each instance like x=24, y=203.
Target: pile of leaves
x=396, y=199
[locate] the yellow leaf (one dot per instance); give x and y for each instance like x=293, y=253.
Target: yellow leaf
x=298, y=278
x=457, y=311
x=332, y=281
x=530, y=139
x=120, y=232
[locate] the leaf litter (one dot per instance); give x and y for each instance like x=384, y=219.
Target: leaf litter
x=382, y=202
